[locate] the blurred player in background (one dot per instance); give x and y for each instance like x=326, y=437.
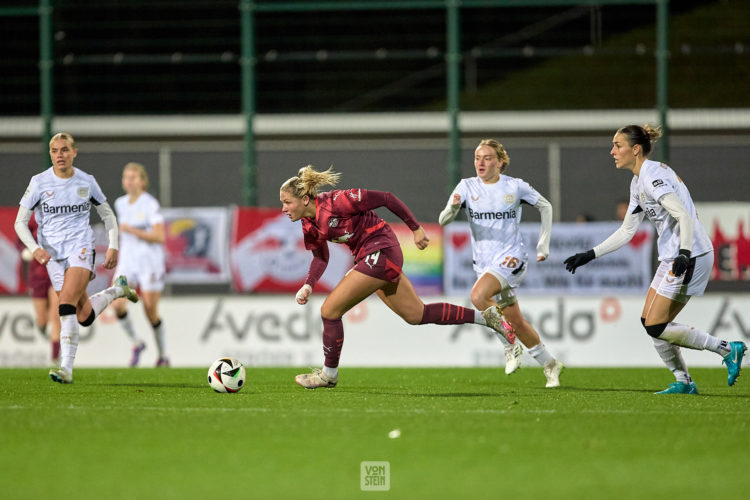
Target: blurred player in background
x=346, y=216
x=61, y=198
x=492, y=201
x=685, y=255
x=142, y=261
x=44, y=298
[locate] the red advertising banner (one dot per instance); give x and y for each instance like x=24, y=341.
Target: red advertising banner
x=267, y=254
x=11, y=265
x=728, y=226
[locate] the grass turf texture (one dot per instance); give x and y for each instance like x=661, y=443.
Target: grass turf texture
x=465, y=433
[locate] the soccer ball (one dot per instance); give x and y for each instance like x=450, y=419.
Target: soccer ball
x=226, y=375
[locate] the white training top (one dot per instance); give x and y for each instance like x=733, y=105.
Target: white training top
x=137, y=255
x=62, y=208
x=655, y=180
x=494, y=212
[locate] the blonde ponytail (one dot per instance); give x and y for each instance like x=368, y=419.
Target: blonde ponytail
x=307, y=181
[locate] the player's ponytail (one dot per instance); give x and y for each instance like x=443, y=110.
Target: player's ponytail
x=308, y=180
x=644, y=136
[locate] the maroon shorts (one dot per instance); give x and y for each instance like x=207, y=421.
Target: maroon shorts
x=384, y=264
x=39, y=282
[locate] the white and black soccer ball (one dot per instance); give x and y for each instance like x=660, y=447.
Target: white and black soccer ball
x=226, y=375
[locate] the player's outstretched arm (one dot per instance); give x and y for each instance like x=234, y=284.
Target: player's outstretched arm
x=580, y=259
x=390, y=201
x=542, y=247
x=617, y=239
x=451, y=210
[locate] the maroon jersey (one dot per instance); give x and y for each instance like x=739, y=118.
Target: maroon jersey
x=38, y=277
x=346, y=216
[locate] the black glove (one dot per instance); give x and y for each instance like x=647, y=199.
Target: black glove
x=681, y=263
x=578, y=260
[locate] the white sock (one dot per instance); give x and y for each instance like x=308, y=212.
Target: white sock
x=331, y=372
x=540, y=354
x=672, y=357
x=127, y=325
x=479, y=319
x=688, y=336
x=100, y=301
x=68, y=341
x=159, y=336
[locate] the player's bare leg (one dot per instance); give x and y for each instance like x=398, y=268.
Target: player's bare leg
x=151, y=308
x=529, y=336
x=483, y=298
x=123, y=318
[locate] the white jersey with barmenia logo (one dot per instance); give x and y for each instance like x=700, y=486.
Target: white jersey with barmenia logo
x=62, y=208
x=646, y=189
x=494, y=211
x=137, y=255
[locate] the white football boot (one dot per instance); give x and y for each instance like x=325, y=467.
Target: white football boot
x=513, y=357
x=552, y=372
x=61, y=375
x=316, y=379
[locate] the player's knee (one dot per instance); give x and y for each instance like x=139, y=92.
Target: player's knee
x=478, y=299
x=66, y=309
x=413, y=317
x=87, y=321
x=654, y=330
x=329, y=312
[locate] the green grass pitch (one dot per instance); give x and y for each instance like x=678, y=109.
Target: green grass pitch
x=465, y=433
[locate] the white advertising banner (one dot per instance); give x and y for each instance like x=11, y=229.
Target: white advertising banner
x=276, y=331
x=626, y=271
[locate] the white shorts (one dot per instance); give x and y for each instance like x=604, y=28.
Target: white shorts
x=85, y=258
x=510, y=275
x=144, y=279
x=692, y=283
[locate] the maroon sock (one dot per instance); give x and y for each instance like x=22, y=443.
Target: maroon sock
x=55, y=350
x=333, y=340
x=442, y=313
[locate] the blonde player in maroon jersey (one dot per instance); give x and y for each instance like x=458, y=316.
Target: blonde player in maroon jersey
x=346, y=216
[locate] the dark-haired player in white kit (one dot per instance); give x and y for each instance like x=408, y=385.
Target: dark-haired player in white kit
x=61, y=199
x=493, y=207
x=686, y=256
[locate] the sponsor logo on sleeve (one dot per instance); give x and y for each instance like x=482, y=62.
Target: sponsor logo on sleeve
x=657, y=183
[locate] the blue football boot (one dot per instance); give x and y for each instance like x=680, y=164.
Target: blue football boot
x=680, y=388
x=733, y=360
